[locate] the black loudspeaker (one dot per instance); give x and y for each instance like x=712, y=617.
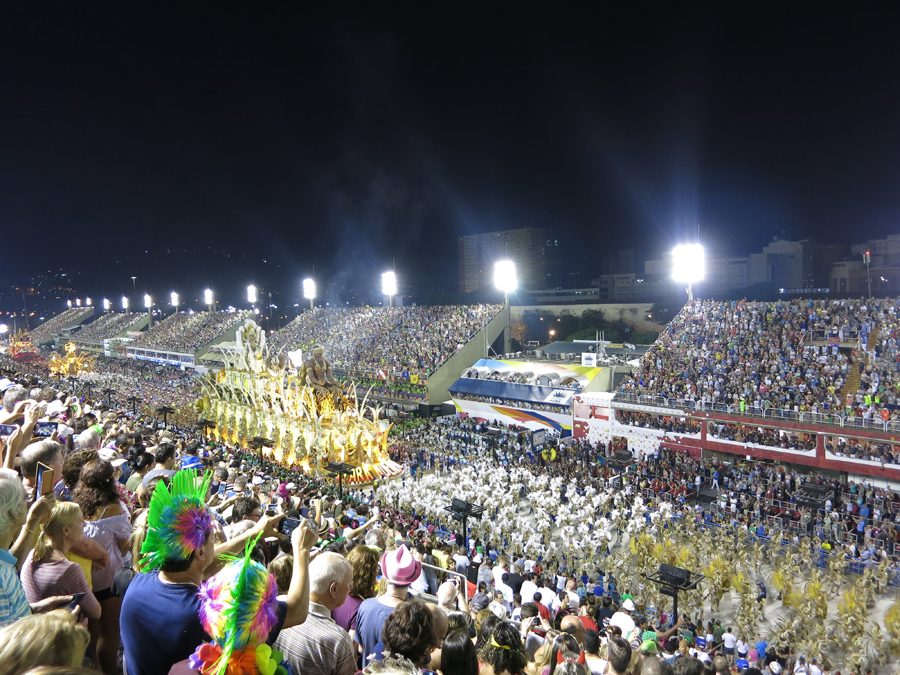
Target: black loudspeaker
x=459, y=505
x=674, y=575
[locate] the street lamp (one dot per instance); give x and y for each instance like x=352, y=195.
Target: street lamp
x=867, y=258
x=208, y=298
x=389, y=286
x=125, y=302
x=174, y=300
x=251, y=294
x=688, y=266
x=309, y=289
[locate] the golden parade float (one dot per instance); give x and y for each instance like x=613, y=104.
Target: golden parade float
x=70, y=363
x=300, y=418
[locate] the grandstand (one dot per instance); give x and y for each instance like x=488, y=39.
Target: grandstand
x=183, y=337
x=409, y=349
x=812, y=382
x=47, y=332
x=110, y=326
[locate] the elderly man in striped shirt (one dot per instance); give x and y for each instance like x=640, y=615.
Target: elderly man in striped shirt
x=319, y=646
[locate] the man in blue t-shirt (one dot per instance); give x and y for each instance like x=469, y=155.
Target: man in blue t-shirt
x=159, y=622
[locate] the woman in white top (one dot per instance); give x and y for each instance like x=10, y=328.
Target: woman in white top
x=106, y=521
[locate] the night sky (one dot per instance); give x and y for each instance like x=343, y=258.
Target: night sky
x=262, y=142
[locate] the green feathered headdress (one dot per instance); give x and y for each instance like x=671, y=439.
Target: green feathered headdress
x=178, y=520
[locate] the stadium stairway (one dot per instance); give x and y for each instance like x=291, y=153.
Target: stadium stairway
x=851, y=386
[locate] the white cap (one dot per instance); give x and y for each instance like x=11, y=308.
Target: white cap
x=111, y=456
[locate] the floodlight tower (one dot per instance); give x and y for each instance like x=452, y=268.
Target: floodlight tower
x=506, y=279
x=251, y=294
x=688, y=266
x=389, y=286
x=174, y=300
x=309, y=289
x=107, y=305
x=148, y=305
x=208, y=299
x=125, y=303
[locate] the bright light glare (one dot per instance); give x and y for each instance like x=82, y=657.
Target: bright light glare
x=208, y=297
x=88, y=302
x=389, y=283
x=3, y=329
x=107, y=305
x=78, y=302
x=309, y=288
x=505, y=277
x=148, y=301
x=688, y=263
x=69, y=303
x=124, y=303
x=251, y=294
x=174, y=299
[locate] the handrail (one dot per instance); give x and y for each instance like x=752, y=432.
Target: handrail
x=828, y=419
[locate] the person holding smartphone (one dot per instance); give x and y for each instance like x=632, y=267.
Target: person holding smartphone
x=48, y=572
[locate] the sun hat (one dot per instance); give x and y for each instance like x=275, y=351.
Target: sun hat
x=399, y=567
x=111, y=456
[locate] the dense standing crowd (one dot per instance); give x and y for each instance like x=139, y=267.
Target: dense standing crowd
x=71, y=317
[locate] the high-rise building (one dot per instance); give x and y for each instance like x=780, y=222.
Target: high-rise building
x=537, y=258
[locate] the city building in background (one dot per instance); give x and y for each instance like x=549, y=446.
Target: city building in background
x=537, y=257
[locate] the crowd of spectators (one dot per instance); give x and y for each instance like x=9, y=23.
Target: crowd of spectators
x=517, y=403
x=187, y=332
x=872, y=451
x=356, y=598
x=776, y=438
x=110, y=325
x=411, y=342
x=71, y=317
x=518, y=377
x=758, y=355
x=676, y=425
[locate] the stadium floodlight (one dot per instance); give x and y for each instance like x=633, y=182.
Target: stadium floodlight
x=688, y=266
x=251, y=294
x=505, y=278
x=88, y=302
x=208, y=298
x=389, y=285
x=78, y=302
x=125, y=302
x=107, y=305
x=174, y=300
x=309, y=290
x=4, y=329
x=148, y=301
x=69, y=304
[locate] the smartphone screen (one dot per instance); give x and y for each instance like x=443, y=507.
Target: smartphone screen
x=44, y=429
x=222, y=488
x=7, y=429
x=76, y=600
x=288, y=525
x=43, y=479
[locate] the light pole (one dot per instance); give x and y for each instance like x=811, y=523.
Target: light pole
x=107, y=305
x=134, y=287
x=125, y=303
x=506, y=279
x=389, y=286
x=688, y=266
x=208, y=299
x=867, y=258
x=251, y=296
x=148, y=305
x=309, y=290
x=174, y=300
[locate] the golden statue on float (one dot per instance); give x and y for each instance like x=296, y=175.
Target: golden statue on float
x=309, y=418
x=71, y=364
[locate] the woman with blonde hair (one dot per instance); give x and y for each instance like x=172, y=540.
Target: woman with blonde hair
x=47, y=571
x=365, y=561
x=52, y=639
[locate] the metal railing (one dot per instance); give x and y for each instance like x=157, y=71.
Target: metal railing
x=827, y=419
